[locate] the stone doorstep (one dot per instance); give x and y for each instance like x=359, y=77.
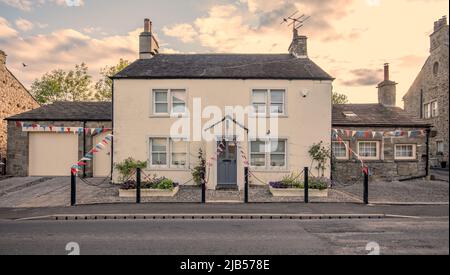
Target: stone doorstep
x=80, y=217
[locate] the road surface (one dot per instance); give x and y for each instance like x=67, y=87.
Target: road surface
x=229, y=237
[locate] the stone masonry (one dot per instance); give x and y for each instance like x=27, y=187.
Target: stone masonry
x=14, y=99
x=432, y=85
x=18, y=145
x=387, y=168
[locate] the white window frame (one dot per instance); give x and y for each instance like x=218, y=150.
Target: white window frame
x=347, y=155
x=150, y=146
x=414, y=151
x=169, y=102
x=434, y=109
x=268, y=103
x=377, y=157
x=268, y=154
x=440, y=143
x=186, y=152
x=169, y=151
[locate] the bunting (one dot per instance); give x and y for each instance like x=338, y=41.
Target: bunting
x=90, y=155
x=364, y=167
x=33, y=127
x=379, y=134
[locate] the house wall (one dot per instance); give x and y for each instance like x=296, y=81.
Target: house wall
x=308, y=120
x=434, y=86
x=14, y=99
x=18, y=144
x=387, y=168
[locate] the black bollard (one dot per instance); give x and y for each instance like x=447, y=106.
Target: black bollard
x=138, y=185
x=306, y=172
x=73, y=189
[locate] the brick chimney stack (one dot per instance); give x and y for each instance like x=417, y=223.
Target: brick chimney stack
x=148, y=45
x=387, y=90
x=299, y=45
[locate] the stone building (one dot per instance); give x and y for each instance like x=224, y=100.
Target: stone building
x=427, y=97
x=14, y=99
x=391, y=142
x=43, y=150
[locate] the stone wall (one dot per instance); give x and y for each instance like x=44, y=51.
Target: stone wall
x=18, y=146
x=14, y=99
x=432, y=84
x=387, y=168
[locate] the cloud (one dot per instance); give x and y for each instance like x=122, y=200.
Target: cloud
x=364, y=77
x=185, y=32
x=24, y=5
x=28, y=5
x=256, y=27
x=62, y=49
x=24, y=25
x=6, y=31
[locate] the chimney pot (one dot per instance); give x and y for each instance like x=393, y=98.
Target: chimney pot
x=147, y=25
x=386, y=71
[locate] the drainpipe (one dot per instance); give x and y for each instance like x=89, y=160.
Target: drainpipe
x=112, y=131
x=84, y=147
x=427, y=160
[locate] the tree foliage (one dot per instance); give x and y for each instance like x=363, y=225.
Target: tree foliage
x=59, y=85
x=103, y=87
x=339, y=99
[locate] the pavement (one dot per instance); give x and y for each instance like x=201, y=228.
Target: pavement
x=227, y=237
x=31, y=192
x=236, y=210
x=440, y=174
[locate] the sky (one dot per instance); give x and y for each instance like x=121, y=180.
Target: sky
x=350, y=39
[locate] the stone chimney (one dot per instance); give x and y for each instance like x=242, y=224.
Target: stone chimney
x=387, y=90
x=2, y=58
x=148, y=45
x=299, y=45
x=439, y=37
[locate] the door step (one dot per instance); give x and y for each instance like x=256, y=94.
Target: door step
x=224, y=196
x=224, y=202
x=227, y=187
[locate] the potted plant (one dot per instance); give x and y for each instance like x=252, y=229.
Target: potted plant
x=292, y=186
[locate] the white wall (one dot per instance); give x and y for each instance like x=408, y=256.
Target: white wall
x=308, y=119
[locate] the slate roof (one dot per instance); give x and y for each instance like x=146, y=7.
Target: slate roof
x=374, y=115
x=224, y=66
x=69, y=111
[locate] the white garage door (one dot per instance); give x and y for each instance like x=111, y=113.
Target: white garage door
x=52, y=154
x=102, y=159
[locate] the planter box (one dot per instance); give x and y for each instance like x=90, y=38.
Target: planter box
x=148, y=193
x=295, y=192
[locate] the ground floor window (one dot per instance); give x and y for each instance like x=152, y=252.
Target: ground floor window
x=440, y=147
x=405, y=151
x=369, y=150
x=166, y=152
x=268, y=153
x=340, y=150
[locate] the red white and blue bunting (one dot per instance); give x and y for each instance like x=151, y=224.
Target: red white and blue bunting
x=377, y=134
x=34, y=127
x=90, y=155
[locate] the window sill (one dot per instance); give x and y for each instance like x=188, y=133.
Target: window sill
x=406, y=160
x=150, y=169
x=269, y=170
x=267, y=116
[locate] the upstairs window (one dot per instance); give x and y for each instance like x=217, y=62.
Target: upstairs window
x=431, y=110
x=259, y=101
x=434, y=109
x=167, y=101
x=271, y=102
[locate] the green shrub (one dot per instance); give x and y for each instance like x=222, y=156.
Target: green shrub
x=165, y=184
x=127, y=167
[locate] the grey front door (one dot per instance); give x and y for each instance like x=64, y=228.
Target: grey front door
x=227, y=164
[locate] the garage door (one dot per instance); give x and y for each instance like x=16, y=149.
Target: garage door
x=52, y=154
x=102, y=159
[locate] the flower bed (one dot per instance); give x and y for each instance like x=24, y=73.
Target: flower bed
x=156, y=187
x=289, y=187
